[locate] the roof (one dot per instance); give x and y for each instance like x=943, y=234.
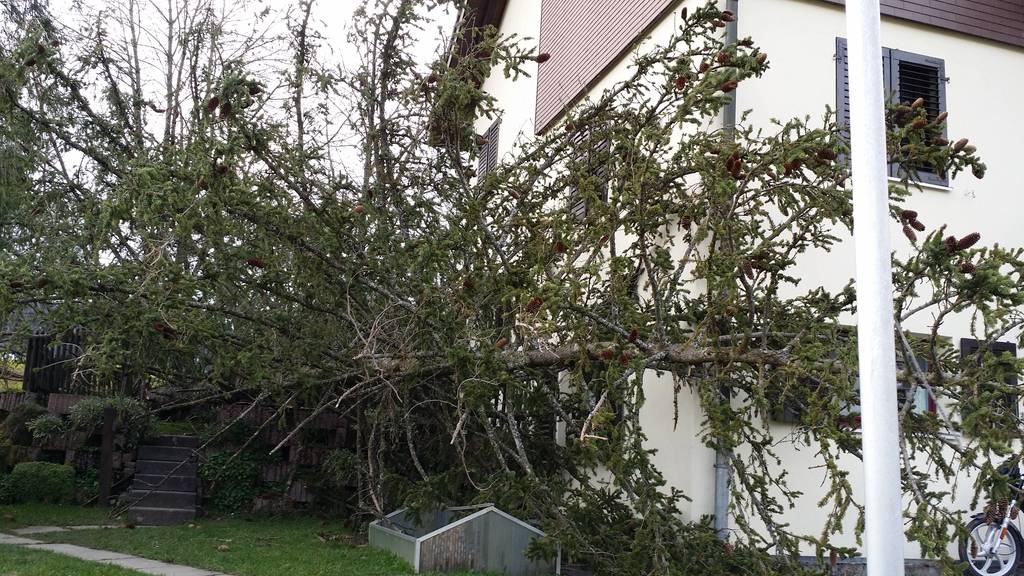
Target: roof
x=479, y=14
x=998, y=20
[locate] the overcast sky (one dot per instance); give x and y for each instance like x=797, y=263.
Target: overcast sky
x=331, y=18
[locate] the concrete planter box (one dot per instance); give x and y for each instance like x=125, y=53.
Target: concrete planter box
x=487, y=540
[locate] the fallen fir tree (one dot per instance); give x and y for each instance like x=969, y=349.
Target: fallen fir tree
x=252, y=223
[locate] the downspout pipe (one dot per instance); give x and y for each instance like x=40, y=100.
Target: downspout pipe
x=723, y=455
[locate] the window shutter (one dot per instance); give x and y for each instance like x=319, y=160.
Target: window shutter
x=842, y=88
x=598, y=166
x=915, y=76
x=488, y=158
x=843, y=84
x=969, y=347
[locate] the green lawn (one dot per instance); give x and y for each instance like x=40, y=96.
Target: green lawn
x=11, y=374
x=241, y=547
x=17, y=561
x=262, y=547
x=52, y=515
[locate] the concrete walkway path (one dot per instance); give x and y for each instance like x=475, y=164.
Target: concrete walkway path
x=144, y=565
x=32, y=530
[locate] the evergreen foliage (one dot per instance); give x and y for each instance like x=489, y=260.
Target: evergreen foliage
x=280, y=230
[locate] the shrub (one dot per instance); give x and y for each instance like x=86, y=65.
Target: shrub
x=47, y=428
x=340, y=470
x=233, y=483
x=16, y=423
x=87, y=486
x=133, y=417
x=42, y=482
x=6, y=452
x=6, y=494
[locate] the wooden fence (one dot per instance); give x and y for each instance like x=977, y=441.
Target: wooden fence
x=51, y=367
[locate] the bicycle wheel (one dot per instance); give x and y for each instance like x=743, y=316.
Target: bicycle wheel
x=1002, y=562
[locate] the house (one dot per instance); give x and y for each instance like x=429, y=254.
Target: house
x=964, y=58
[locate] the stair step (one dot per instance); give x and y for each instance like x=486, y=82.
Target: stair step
x=162, y=498
x=167, y=453
x=175, y=441
x=145, y=516
x=153, y=467
x=170, y=483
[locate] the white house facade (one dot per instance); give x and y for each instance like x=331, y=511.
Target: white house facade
x=974, y=52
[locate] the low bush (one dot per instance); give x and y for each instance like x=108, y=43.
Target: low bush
x=6, y=494
x=42, y=482
x=233, y=483
x=133, y=417
x=6, y=452
x=87, y=486
x=15, y=426
x=47, y=428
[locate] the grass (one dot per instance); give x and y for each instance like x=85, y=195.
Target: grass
x=173, y=428
x=11, y=374
x=259, y=547
x=238, y=546
x=17, y=561
x=51, y=515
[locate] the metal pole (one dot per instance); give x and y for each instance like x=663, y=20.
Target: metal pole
x=876, y=346
x=723, y=455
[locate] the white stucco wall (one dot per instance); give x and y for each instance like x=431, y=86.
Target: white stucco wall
x=799, y=37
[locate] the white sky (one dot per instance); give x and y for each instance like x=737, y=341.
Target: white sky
x=331, y=18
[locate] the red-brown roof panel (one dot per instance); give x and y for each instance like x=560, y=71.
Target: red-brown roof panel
x=584, y=38
x=999, y=20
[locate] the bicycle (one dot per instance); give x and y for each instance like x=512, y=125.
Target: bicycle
x=993, y=545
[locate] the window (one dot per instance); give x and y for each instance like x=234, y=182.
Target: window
x=906, y=77
x=969, y=347
x=921, y=402
x=488, y=158
x=595, y=164
x=790, y=410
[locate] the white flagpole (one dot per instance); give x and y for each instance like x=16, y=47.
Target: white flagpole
x=876, y=346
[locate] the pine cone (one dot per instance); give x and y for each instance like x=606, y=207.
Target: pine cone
x=534, y=305
x=968, y=241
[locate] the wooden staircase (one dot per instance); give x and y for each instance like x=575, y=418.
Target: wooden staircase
x=165, y=489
